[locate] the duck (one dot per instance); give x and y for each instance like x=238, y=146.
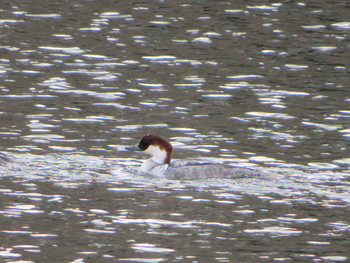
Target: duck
x=161, y=165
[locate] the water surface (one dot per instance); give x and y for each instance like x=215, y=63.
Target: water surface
x=256, y=84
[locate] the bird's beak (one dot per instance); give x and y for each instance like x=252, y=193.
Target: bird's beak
x=133, y=148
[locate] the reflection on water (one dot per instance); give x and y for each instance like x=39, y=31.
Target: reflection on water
x=257, y=84
x=132, y=219
x=76, y=207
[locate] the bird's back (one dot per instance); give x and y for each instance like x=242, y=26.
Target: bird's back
x=198, y=170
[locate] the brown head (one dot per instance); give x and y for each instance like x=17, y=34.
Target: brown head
x=156, y=145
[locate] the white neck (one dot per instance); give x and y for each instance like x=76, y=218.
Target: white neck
x=148, y=165
x=158, y=158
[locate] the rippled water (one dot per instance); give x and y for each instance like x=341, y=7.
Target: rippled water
x=258, y=84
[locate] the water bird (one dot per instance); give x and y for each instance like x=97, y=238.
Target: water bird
x=161, y=165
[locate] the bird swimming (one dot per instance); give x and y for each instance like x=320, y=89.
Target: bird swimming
x=160, y=163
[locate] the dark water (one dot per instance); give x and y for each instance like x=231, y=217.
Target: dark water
x=256, y=83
